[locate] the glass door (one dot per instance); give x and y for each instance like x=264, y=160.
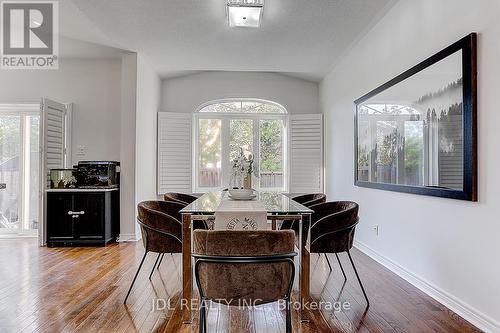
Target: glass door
x=220, y=139
x=272, y=154
x=19, y=171
x=10, y=172
x=209, y=153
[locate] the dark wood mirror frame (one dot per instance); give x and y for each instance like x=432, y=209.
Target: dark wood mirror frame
x=469, y=120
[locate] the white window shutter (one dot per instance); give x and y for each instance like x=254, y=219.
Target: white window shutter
x=53, y=151
x=306, y=150
x=174, y=152
x=54, y=114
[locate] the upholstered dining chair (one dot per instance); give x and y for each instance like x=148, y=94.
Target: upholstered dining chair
x=244, y=267
x=307, y=200
x=185, y=199
x=310, y=199
x=161, y=231
x=332, y=231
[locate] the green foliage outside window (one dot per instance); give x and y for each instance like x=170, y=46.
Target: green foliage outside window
x=271, y=146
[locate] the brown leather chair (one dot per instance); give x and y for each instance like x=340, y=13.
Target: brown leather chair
x=185, y=199
x=310, y=199
x=244, y=268
x=161, y=230
x=332, y=231
x=307, y=200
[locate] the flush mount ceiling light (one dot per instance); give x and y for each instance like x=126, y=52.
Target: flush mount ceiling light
x=244, y=13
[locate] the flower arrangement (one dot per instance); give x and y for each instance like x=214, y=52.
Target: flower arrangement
x=242, y=170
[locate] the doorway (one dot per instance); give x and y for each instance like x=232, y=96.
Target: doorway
x=19, y=169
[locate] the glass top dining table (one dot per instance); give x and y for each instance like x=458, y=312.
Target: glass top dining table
x=274, y=203
x=279, y=207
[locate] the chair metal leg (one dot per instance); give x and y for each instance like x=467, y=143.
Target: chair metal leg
x=359, y=280
x=159, y=263
x=328, y=261
x=203, y=319
x=135, y=277
x=341, y=268
x=156, y=261
x=288, y=317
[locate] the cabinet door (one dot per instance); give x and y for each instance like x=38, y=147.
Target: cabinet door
x=59, y=222
x=89, y=207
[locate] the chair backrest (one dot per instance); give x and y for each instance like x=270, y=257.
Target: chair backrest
x=181, y=200
x=160, y=226
x=310, y=199
x=254, y=267
x=333, y=226
x=185, y=199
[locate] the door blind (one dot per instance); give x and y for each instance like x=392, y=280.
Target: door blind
x=53, y=150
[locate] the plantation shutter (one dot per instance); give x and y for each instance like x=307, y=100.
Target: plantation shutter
x=174, y=152
x=54, y=134
x=53, y=150
x=451, y=163
x=306, y=150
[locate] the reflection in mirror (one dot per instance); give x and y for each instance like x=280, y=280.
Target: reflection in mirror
x=412, y=132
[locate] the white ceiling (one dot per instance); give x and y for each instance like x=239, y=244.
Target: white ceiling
x=74, y=48
x=297, y=37
x=80, y=38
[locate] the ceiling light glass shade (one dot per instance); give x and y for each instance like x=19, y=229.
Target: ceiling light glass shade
x=244, y=13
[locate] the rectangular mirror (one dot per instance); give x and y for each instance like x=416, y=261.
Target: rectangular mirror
x=417, y=132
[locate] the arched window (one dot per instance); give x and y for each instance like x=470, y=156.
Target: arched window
x=225, y=128
x=242, y=106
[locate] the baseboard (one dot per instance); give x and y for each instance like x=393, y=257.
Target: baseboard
x=16, y=236
x=127, y=238
x=472, y=315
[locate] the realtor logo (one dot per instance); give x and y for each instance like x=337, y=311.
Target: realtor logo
x=29, y=35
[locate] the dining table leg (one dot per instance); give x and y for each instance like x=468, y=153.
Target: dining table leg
x=305, y=264
x=187, y=277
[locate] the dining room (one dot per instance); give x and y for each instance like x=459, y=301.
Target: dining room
x=249, y=166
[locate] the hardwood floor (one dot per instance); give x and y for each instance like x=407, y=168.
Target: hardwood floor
x=82, y=290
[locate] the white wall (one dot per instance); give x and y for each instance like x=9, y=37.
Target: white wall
x=140, y=102
x=187, y=93
x=450, y=247
x=103, y=93
x=94, y=88
x=148, y=100
x=128, y=225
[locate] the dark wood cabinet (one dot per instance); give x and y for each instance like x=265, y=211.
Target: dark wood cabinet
x=82, y=217
x=61, y=224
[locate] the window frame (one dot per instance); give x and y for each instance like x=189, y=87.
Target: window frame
x=241, y=100
x=400, y=121
x=226, y=118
